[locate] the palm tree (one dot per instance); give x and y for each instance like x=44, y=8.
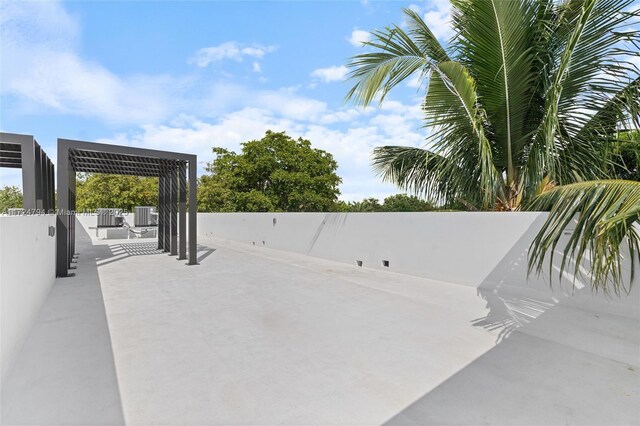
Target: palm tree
x=524, y=105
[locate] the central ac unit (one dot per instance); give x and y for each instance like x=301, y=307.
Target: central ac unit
x=110, y=218
x=145, y=216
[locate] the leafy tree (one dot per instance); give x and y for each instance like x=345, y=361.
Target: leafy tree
x=275, y=173
x=369, y=205
x=342, y=206
x=406, y=203
x=115, y=191
x=393, y=203
x=526, y=102
x=10, y=198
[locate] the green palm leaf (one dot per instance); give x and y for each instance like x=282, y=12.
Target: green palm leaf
x=421, y=171
x=452, y=106
x=499, y=55
x=605, y=215
x=398, y=55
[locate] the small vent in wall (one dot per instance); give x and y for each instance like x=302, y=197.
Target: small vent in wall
x=385, y=263
x=359, y=263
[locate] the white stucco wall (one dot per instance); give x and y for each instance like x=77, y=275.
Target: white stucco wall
x=27, y=272
x=486, y=250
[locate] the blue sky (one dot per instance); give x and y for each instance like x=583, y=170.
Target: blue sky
x=187, y=76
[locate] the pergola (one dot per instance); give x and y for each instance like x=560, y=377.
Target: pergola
x=169, y=167
x=23, y=152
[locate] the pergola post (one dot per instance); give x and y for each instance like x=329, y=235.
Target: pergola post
x=166, y=222
x=72, y=213
x=173, y=184
x=37, y=157
x=160, y=224
x=182, y=219
x=193, y=211
x=29, y=175
x=51, y=186
x=62, y=220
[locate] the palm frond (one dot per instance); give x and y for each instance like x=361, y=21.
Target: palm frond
x=605, y=215
x=601, y=61
x=425, y=173
x=452, y=106
x=546, y=138
x=398, y=55
x=496, y=44
x=424, y=38
x=622, y=106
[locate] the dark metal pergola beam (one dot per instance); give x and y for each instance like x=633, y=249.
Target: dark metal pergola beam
x=169, y=167
x=23, y=151
x=89, y=161
x=90, y=167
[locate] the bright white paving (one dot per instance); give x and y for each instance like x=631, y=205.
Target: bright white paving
x=259, y=336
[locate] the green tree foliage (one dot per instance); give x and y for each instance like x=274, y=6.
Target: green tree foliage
x=10, y=198
x=95, y=191
x=528, y=96
x=393, y=203
x=275, y=173
x=406, y=203
x=368, y=205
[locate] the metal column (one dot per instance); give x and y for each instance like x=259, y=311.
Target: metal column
x=182, y=219
x=72, y=214
x=160, y=212
x=62, y=220
x=29, y=176
x=193, y=211
x=173, y=185
x=166, y=225
x=51, y=186
x=38, y=176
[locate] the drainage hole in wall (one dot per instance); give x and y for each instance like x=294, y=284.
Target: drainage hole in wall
x=253, y=242
x=359, y=263
x=385, y=263
x=262, y=242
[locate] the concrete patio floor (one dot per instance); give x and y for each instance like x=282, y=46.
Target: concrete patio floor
x=259, y=336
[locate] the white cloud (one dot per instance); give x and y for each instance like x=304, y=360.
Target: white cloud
x=416, y=81
x=396, y=124
x=44, y=69
x=225, y=96
x=47, y=70
x=358, y=37
x=256, y=67
x=437, y=16
x=327, y=75
x=229, y=50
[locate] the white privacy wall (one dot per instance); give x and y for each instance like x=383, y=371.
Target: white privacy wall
x=456, y=247
x=27, y=272
x=487, y=250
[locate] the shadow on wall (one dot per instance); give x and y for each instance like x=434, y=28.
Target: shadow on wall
x=111, y=253
x=514, y=300
x=564, y=355
x=331, y=221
